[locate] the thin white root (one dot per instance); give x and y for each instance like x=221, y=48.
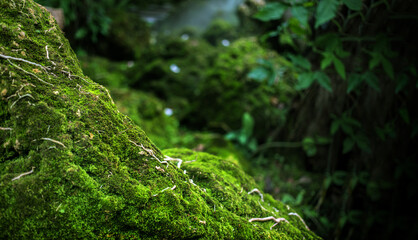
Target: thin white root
x=23, y=174
x=271, y=218
x=257, y=191
x=29, y=72
x=47, y=53
x=191, y=181
x=165, y=189
x=179, y=161
x=6, y=129
x=58, y=207
x=262, y=206
x=149, y=151
x=21, y=59
x=70, y=75
x=54, y=141
x=297, y=215
x=20, y=97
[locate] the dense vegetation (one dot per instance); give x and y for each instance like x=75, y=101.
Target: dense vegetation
x=317, y=96
x=72, y=166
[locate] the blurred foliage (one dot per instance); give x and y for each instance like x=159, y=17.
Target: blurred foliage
x=357, y=68
x=220, y=30
x=322, y=103
x=152, y=113
x=110, y=28
x=199, y=80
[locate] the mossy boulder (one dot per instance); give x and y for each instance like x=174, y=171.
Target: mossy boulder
x=73, y=167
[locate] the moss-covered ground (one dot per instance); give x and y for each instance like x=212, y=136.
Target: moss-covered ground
x=73, y=167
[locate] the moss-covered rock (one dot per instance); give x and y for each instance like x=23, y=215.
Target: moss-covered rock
x=73, y=167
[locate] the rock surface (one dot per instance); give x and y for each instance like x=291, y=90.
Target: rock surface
x=73, y=167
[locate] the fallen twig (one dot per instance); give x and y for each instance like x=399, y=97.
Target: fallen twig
x=47, y=53
x=23, y=174
x=259, y=193
x=54, y=141
x=6, y=129
x=172, y=188
x=179, y=161
x=30, y=73
x=22, y=60
x=70, y=75
x=20, y=97
x=149, y=151
x=271, y=218
x=191, y=181
x=262, y=206
x=297, y=215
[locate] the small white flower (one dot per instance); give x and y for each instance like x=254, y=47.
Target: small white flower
x=185, y=37
x=225, y=43
x=174, y=68
x=168, y=111
x=130, y=64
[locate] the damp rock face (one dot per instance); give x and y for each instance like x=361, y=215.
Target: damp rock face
x=73, y=167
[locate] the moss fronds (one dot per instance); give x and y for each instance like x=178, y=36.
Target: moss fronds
x=94, y=174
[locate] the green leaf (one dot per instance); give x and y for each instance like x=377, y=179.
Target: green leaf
x=242, y=138
x=325, y=11
x=327, y=182
x=347, y=128
x=328, y=41
x=299, y=197
x=348, y=145
x=338, y=177
x=403, y=81
x=322, y=140
x=252, y=145
x=354, y=80
x=413, y=71
x=231, y=135
x=305, y=80
x=247, y=125
x=334, y=126
x=387, y=66
x=259, y=74
x=301, y=14
x=286, y=38
x=376, y=59
x=405, y=115
x=373, y=191
x=339, y=66
x=352, y=122
x=354, y=5
x=271, y=11
x=339, y=51
x=269, y=35
x=309, y=146
x=323, y=80
x=300, y=61
x=81, y=33
x=363, y=143
x=372, y=80
x=327, y=60
x=287, y=198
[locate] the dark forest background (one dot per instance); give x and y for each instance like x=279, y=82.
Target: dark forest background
x=315, y=98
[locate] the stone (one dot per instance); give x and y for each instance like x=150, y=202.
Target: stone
x=73, y=167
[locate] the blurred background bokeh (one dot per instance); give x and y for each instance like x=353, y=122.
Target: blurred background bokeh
x=314, y=98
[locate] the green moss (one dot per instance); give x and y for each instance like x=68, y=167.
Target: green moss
x=228, y=89
x=73, y=167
